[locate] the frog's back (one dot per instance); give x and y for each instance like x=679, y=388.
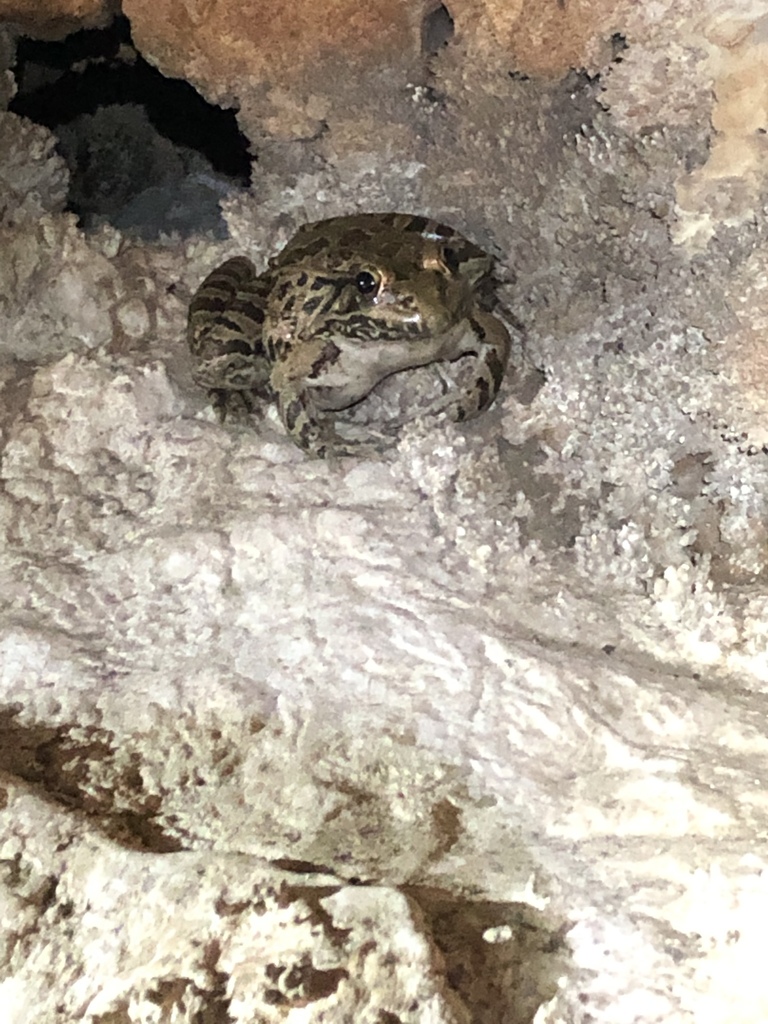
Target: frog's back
x=347, y=241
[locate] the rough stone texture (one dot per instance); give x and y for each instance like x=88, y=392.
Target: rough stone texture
x=33, y=176
x=540, y=39
x=7, y=51
x=236, y=940
x=475, y=732
x=286, y=68
x=55, y=18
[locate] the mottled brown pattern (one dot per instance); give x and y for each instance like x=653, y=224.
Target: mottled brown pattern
x=348, y=302
x=327, y=357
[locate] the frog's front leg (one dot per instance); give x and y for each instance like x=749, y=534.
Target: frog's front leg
x=301, y=419
x=489, y=340
x=313, y=431
x=304, y=405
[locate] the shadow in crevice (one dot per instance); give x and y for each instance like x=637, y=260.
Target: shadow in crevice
x=60, y=762
x=503, y=960
x=145, y=153
x=437, y=29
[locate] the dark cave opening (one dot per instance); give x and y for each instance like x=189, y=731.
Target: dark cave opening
x=437, y=30
x=145, y=152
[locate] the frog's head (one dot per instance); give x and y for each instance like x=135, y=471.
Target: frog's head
x=378, y=277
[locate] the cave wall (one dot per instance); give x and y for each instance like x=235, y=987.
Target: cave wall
x=471, y=732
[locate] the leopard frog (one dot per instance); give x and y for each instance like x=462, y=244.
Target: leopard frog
x=346, y=303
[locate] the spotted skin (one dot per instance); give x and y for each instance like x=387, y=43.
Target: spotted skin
x=346, y=303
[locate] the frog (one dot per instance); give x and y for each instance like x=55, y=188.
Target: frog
x=349, y=301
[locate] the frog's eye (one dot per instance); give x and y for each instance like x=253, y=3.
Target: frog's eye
x=366, y=282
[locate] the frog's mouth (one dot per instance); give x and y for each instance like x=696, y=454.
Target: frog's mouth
x=357, y=366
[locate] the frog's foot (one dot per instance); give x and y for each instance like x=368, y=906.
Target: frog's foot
x=233, y=406
x=368, y=443
x=490, y=352
x=315, y=432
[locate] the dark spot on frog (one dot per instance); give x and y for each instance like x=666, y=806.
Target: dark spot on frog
x=418, y=224
x=322, y=283
x=478, y=329
x=228, y=324
x=238, y=346
x=496, y=367
x=251, y=310
x=483, y=392
x=451, y=260
x=211, y=302
x=328, y=356
x=278, y=349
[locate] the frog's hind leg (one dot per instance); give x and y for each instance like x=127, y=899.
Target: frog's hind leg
x=224, y=333
x=490, y=342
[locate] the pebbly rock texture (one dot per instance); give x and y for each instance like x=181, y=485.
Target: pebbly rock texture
x=237, y=939
x=473, y=732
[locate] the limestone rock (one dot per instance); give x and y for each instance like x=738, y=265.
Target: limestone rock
x=55, y=18
x=471, y=732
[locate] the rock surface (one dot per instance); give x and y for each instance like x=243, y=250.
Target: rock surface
x=53, y=19
x=475, y=732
